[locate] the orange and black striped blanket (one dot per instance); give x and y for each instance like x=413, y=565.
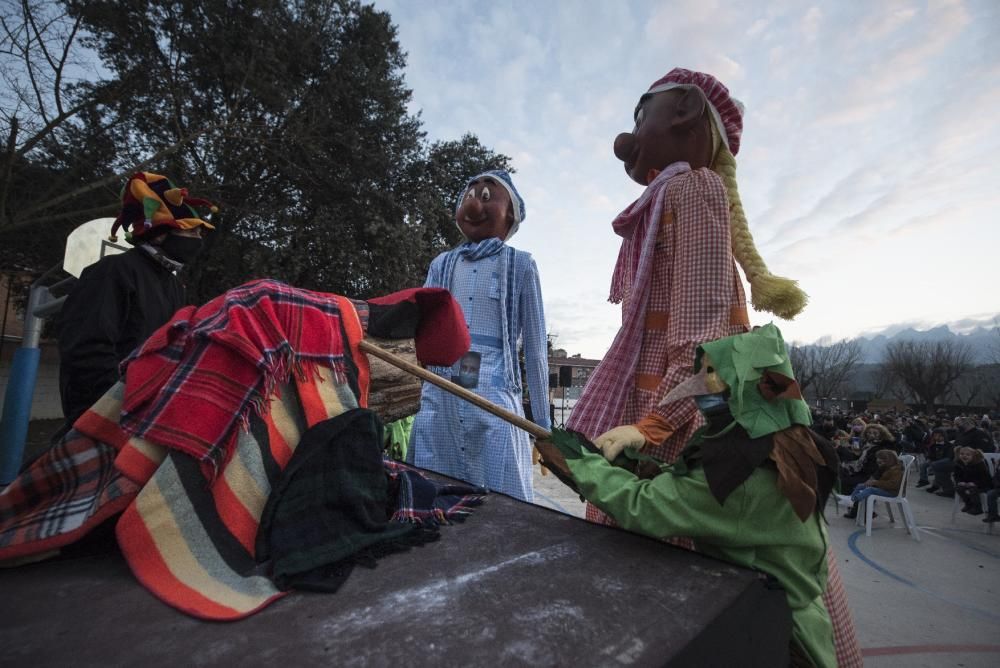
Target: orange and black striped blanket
x=187, y=531
x=189, y=538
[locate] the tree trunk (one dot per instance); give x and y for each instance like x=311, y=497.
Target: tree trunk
x=394, y=393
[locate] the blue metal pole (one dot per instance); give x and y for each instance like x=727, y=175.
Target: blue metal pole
x=21, y=384
x=17, y=411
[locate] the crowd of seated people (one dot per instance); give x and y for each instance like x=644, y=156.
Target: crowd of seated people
x=950, y=451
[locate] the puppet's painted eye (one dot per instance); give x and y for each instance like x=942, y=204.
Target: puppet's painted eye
x=486, y=194
x=471, y=194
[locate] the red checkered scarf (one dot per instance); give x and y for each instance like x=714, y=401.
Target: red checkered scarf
x=603, y=401
x=205, y=370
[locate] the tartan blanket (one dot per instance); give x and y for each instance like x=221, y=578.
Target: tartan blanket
x=71, y=488
x=189, y=538
x=188, y=530
x=210, y=367
x=334, y=506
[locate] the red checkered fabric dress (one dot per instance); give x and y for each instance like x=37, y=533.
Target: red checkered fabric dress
x=695, y=295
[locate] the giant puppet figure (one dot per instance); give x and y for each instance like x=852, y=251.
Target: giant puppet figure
x=749, y=488
x=500, y=294
x=677, y=281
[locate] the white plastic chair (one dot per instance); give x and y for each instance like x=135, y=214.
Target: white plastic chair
x=841, y=500
x=899, y=499
x=992, y=461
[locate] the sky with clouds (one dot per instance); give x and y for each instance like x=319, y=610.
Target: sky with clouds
x=868, y=168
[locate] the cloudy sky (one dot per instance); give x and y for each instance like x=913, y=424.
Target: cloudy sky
x=869, y=163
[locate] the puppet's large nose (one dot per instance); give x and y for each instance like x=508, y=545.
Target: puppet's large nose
x=624, y=145
x=471, y=209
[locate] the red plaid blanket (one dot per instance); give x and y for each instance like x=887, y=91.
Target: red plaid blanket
x=70, y=489
x=210, y=367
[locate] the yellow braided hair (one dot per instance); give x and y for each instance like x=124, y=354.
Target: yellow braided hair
x=780, y=296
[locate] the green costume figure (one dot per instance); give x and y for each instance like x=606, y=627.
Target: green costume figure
x=748, y=488
x=397, y=437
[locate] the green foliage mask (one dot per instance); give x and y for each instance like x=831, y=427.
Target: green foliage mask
x=763, y=395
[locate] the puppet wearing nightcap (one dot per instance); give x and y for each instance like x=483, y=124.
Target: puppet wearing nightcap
x=499, y=291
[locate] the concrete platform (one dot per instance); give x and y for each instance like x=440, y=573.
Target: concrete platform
x=514, y=585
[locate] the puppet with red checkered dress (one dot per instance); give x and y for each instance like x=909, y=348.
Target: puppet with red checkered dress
x=677, y=281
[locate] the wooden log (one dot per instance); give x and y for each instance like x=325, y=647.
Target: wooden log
x=371, y=347
x=393, y=393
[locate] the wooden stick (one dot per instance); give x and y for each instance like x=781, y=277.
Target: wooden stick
x=457, y=390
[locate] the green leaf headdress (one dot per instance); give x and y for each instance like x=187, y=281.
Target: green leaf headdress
x=763, y=395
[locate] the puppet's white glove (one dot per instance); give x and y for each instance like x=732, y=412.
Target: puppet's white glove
x=613, y=441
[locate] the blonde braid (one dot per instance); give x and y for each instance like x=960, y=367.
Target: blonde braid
x=780, y=296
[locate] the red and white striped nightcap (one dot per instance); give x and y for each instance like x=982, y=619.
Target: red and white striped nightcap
x=726, y=110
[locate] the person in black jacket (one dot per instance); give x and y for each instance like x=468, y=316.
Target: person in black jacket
x=972, y=478
x=122, y=299
x=971, y=436
x=991, y=499
x=856, y=469
x=940, y=461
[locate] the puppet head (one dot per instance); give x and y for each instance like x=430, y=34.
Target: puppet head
x=683, y=117
x=750, y=380
x=489, y=206
x=152, y=205
x=753, y=373
x=690, y=117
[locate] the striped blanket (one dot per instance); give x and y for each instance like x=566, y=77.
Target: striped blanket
x=188, y=531
x=188, y=538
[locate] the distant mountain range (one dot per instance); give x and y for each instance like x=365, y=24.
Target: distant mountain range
x=984, y=342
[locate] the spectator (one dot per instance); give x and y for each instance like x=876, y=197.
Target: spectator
x=912, y=437
x=864, y=465
x=826, y=427
x=991, y=499
x=971, y=436
x=940, y=460
x=857, y=427
x=885, y=482
x=972, y=478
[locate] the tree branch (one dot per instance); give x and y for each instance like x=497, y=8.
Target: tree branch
x=8, y=169
x=101, y=183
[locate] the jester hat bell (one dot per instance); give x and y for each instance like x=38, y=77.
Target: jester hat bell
x=152, y=205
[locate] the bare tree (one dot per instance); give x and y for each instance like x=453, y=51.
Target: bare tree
x=970, y=386
x=825, y=368
x=51, y=89
x=980, y=387
x=38, y=51
x=995, y=345
x=885, y=382
x=929, y=369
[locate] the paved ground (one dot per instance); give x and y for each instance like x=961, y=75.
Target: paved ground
x=930, y=603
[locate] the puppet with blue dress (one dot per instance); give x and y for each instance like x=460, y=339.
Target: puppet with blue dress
x=500, y=294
